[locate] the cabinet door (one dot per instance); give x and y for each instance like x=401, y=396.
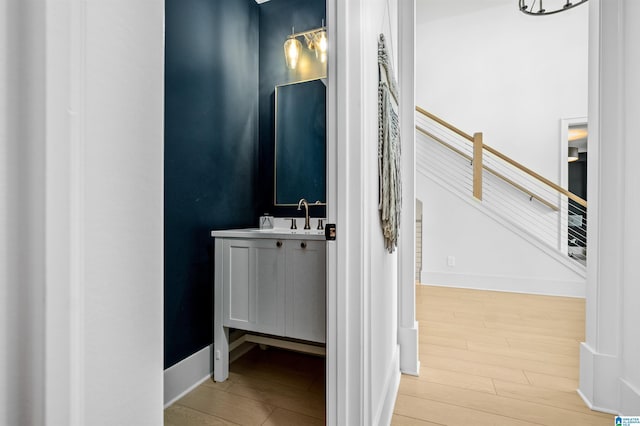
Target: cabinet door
x=268, y=278
x=253, y=285
x=306, y=290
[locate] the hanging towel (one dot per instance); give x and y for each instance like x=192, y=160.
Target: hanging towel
x=390, y=185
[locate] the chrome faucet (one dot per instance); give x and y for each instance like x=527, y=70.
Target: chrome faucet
x=306, y=212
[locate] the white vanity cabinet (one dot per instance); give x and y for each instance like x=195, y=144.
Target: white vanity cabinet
x=272, y=284
x=305, y=290
x=253, y=285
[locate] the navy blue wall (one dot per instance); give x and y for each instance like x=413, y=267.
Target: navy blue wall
x=218, y=149
x=211, y=153
x=276, y=19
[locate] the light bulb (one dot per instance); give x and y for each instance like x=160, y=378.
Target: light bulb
x=292, y=49
x=321, y=45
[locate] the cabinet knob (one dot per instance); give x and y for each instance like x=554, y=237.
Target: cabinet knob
x=279, y=244
x=303, y=245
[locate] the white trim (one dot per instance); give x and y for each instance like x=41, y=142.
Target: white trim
x=65, y=233
x=408, y=337
x=585, y=386
x=335, y=384
x=77, y=143
x=506, y=283
x=183, y=377
x=344, y=334
x=407, y=325
x=384, y=413
x=599, y=379
x=629, y=399
x=594, y=407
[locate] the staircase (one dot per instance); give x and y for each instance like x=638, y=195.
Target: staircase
x=539, y=211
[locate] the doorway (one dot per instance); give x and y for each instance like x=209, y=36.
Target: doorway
x=573, y=176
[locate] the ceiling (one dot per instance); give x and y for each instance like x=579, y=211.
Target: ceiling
x=429, y=10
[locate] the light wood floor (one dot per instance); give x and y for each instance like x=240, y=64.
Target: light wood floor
x=493, y=358
x=271, y=387
x=488, y=358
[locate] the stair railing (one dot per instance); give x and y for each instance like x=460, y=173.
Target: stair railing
x=565, y=231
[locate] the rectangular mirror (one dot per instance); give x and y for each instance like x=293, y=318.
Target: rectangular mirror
x=300, y=143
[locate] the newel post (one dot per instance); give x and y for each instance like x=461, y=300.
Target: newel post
x=477, y=166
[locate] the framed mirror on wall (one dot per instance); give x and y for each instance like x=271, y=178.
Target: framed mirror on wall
x=300, y=143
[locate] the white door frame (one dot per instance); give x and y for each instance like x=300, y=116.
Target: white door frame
x=335, y=350
x=346, y=390
x=407, y=324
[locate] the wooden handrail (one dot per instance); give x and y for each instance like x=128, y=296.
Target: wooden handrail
x=503, y=157
x=489, y=169
x=535, y=175
x=445, y=124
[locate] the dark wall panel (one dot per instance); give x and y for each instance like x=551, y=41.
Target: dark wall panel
x=211, y=153
x=276, y=19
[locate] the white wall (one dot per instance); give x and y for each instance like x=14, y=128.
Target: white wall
x=381, y=275
x=609, y=368
x=486, y=67
x=124, y=212
x=81, y=121
x=497, y=71
x=22, y=289
x=487, y=253
x=366, y=274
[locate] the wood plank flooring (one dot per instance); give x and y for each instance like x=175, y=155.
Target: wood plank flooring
x=487, y=358
x=270, y=387
x=493, y=358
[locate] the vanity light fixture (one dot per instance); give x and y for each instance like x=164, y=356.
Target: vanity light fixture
x=315, y=39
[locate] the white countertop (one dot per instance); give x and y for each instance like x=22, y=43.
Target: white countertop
x=275, y=233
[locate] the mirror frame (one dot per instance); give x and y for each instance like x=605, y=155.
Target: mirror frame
x=275, y=146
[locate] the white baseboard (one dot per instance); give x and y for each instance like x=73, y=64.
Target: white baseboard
x=183, y=377
x=594, y=407
x=391, y=384
x=510, y=284
x=585, y=386
x=599, y=380
x=601, y=388
x=629, y=399
x=409, y=344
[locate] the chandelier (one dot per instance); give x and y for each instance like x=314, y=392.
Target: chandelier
x=530, y=8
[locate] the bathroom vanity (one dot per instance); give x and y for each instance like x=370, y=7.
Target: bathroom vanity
x=271, y=282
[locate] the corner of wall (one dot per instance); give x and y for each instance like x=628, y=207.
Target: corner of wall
x=599, y=384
